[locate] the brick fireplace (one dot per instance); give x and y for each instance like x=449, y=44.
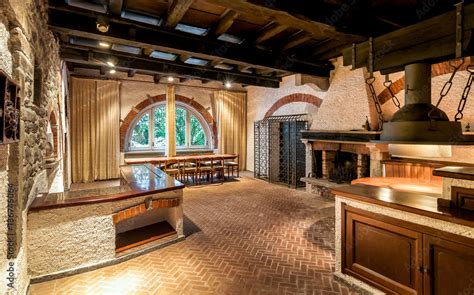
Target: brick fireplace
x=335, y=158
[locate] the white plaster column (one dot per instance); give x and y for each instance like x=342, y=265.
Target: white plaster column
x=170, y=121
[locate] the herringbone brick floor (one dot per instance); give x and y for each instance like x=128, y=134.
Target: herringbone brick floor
x=243, y=237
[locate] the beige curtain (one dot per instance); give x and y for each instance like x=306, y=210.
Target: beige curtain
x=95, y=120
x=230, y=113
x=170, y=122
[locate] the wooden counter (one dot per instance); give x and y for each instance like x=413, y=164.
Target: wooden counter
x=138, y=180
x=466, y=173
x=402, y=242
x=423, y=204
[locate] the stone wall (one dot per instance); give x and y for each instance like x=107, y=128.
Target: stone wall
x=29, y=55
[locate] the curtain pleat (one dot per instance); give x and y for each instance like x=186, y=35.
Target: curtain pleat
x=170, y=121
x=95, y=117
x=230, y=111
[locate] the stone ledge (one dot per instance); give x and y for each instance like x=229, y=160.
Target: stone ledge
x=322, y=182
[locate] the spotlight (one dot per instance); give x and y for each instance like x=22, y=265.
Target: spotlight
x=104, y=44
x=228, y=85
x=102, y=24
x=111, y=63
x=170, y=79
x=112, y=71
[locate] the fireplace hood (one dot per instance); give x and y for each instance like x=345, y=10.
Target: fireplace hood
x=419, y=121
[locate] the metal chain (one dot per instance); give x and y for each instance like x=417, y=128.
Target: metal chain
x=465, y=93
x=370, y=82
x=447, y=85
x=388, y=83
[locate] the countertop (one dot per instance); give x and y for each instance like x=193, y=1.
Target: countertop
x=418, y=203
x=138, y=180
x=458, y=172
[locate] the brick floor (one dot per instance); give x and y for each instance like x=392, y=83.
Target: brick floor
x=243, y=237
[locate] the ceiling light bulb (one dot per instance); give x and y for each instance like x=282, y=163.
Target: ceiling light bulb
x=104, y=44
x=102, y=24
x=112, y=71
x=170, y=79
x=228, y=85
x=110, y=63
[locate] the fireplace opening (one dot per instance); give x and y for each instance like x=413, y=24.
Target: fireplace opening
x=317, y=164
x=345, y=167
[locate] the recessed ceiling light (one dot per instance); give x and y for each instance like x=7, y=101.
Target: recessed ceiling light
x=112, y=71
x=170, y=79
x=228, y=85
x=104, y=44
x=110, y=63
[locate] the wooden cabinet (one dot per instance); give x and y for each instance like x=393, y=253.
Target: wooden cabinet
x=448, y=267
x=398, y=257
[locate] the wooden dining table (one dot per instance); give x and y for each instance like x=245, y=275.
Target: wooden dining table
x=182, y=158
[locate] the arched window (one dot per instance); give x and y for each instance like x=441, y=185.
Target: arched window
x=148, y=129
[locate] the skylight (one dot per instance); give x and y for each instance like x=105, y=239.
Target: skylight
x=196, y=61
x=141, y=18
x=163, y=55
x=126, y=49
x=230, y=38
x=191, y=29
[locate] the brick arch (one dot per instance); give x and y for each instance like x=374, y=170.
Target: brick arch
x=296, y=97
x=162, y=98
x=438, y=69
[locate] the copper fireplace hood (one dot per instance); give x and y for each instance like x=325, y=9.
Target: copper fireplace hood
x=419, y=121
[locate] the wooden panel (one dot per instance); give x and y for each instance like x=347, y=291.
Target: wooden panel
x=420, y=171
x=449, y=267
x=382, y=254
x=462, y=198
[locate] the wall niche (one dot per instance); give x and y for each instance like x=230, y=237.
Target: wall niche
x=10, y=110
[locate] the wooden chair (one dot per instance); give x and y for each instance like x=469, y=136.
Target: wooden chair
x=218, y=168
x=231, y=166
x=204, y=169
x=171, y=168
x=189, y=168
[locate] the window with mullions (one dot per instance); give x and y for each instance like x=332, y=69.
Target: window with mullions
x=149, y=129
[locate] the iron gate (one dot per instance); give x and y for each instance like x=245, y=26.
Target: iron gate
x=278, y=152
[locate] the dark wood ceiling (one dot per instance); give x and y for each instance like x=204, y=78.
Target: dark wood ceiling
x=271, y=38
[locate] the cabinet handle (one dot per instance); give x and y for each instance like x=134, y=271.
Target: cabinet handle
x=424, y=270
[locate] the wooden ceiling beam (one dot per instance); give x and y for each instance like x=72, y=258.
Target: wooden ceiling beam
x=225, y=22
x=81, y=55
x=176, y=12
x=297, y=40
x=319, y=30
x=432, y=40
x=115, y=7
x=270, y=31
x=82, y=24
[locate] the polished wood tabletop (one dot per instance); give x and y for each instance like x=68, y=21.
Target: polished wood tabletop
x=138, y=180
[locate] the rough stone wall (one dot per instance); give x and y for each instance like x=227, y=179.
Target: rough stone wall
x=29, y=55
x=82, y=235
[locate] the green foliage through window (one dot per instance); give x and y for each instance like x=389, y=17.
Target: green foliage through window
x=140, y=135
x=159, y=137
x=180, y=127
x=140, y=132
x=197, y=132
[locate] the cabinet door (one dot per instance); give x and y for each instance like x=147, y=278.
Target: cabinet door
x=382, y=254
x=449, y=267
